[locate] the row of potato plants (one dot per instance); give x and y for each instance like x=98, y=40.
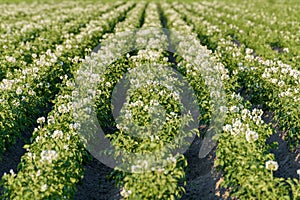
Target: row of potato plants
x=53, y=164
x=15, y=12
x=282, y=77
x=16, y=34
x=247, y=131
x=244, y=135
x=147, y=178
x=274, y=91
x=248, y=35
x=272, y=34
x=30, y=91
x=19, y=50
x=13, y=30
x=24, y=87
x=284, y=100
x=140, y=173
x=26, y=29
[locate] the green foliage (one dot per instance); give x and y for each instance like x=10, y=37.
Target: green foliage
x=254, y=47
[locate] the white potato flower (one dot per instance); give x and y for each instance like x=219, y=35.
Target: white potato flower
x=44, y=187
x=298, y=172
x=272, y=165
x=57, y=134
x=19, y=91
x=251, y=136
x=48, y=155
x=227, y=128
x=125, y=193
x=41, y=120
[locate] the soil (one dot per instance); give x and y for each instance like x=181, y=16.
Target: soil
x=278, y=49
x=289, y=162
x=12, y=157
x=201, y=175
x=95, y=184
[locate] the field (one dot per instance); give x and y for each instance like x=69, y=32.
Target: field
x=150, y=99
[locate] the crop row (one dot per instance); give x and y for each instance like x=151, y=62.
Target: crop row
x=268, y=82
x=266, y=32
x=139, y=172
x=15, y=12
x=18, y=50
x=30, y=90
x=230, y=147
x=55, y=157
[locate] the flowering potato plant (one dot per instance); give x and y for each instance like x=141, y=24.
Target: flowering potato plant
x=56, y=148
x=148, y=132
x=26, y=98
x=244, y=156
x=252, y=69
x=250, y=78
